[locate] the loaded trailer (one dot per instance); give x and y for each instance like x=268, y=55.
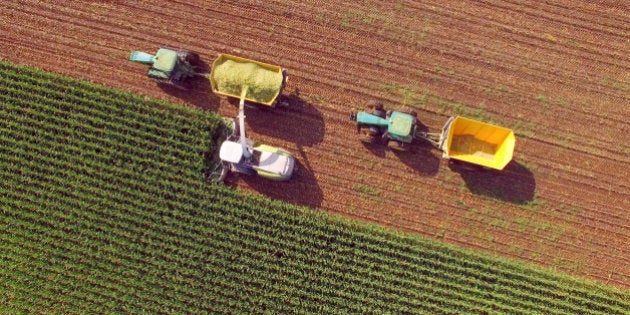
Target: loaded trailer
x=265, y=82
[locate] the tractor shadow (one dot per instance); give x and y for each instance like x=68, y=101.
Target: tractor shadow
x=420, y=157
x=199, y=92
x=515, y=184
x=302, y=189
x=377, y=149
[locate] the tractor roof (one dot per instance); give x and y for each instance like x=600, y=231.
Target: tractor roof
x=400, y=124
x=165, y=60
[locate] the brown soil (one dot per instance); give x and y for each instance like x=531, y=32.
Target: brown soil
x=558, y=74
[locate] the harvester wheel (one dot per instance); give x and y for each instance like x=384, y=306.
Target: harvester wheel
x=181, y=84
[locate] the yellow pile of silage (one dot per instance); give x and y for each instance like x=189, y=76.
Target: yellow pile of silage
x=263, y=83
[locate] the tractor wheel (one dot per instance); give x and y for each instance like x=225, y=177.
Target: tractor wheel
x=375, y=131
x=465, y=166
x=192, y=58
x=379, y=112
x=374, y=104
x=377, y=108
x=359, y=126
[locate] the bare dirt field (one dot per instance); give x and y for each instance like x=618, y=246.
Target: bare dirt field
x=558, y=73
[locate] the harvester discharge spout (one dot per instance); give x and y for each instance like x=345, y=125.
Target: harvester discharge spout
x=241, y=121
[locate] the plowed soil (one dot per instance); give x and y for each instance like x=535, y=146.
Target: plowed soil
x=556, y=73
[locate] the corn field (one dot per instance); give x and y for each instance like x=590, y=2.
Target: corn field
x=104, y=208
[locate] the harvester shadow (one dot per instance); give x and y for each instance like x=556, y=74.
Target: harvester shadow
x=302, y=189
x=298, y=122
x=199, y=92
x=514, y=184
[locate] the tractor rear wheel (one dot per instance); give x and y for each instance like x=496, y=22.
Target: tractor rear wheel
x=379, y=112
x=377, y=108
x=192, y=58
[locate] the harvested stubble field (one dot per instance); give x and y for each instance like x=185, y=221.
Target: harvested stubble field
x=557, y=73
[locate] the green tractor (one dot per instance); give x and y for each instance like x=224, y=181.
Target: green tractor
x=461, y=140
x=170, y=66
x=383, y=126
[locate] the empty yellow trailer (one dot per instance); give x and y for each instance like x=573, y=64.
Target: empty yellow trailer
x=477, y=142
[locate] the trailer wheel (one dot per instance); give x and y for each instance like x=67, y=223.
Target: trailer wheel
x=465, y=166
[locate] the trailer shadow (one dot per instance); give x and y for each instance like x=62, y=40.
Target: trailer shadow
x=418, y=156
x=514, y=184
x=198, y=92
x=297, y=121
x=302, y=189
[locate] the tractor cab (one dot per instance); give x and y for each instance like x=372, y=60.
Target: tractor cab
x=170, y=66
x=165, y=62
x=401, y=126
x=397, y=126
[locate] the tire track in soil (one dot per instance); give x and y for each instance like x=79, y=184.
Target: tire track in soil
x=345, y=74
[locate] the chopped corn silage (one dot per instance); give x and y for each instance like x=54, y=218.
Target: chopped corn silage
x=263, y=84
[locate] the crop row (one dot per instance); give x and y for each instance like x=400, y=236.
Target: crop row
x=81, y=232
x=246, y=228
x=307, y=244
x=73, y=198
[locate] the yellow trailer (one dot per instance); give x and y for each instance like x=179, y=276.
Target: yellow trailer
x=264, y=82
x=477, y=142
